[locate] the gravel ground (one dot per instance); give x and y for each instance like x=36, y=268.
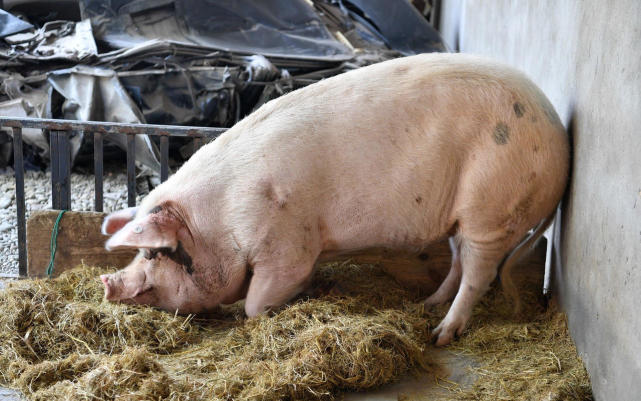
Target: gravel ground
x=38, y=197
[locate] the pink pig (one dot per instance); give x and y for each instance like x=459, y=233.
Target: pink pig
x=398, y=154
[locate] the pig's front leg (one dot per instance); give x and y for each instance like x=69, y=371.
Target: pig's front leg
x=271, y=288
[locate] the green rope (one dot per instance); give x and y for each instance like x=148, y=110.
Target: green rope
x=54, y=243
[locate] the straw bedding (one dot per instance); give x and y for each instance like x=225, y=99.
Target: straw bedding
x=60, y=340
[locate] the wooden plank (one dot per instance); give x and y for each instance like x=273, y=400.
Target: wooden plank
x=79, y=240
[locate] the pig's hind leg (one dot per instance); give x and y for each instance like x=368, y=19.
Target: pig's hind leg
x=447, y=290
x=479, y=264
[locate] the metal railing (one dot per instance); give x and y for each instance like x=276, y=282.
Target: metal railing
x=60, y=154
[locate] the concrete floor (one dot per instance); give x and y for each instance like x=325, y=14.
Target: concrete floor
x=455, y=374
x=9, y=395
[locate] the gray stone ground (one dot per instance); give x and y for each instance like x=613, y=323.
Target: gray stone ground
x=38, y=197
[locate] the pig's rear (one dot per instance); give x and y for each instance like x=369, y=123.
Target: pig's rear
x=403, y=153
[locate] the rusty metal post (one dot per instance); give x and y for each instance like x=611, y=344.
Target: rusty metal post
x=18, y=168
x=98, y=171
x=64, y=169
x=54, y=152
x=131, y=170
x=164, y=158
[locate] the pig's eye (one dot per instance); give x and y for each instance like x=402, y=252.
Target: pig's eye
x=157, y=252
x=148, y=254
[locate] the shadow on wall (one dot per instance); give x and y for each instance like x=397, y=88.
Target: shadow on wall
x=562, y=212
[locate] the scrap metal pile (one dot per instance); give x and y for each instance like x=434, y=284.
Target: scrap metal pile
x=205, y=63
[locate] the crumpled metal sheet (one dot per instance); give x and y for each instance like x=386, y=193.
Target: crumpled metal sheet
x=23, y=108
x=201, y=63
x=399, y=24
x=274, y=28
x=56, y=40
x=10, y=24
x=202, y=96
x=27, y=98
x=95, y=94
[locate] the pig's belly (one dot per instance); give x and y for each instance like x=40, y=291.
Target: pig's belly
x=399, y=222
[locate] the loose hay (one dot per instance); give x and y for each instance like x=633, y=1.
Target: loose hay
x=60, y=340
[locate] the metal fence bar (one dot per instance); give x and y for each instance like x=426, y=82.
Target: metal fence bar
x=164, y=158
x=131, y=170
x=98, y=173
x=18, y=168
x=60, y=150
x=112, y=128
x=64, y=169
x=55, y=175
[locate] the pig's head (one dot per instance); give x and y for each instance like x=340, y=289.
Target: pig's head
x=165, y=272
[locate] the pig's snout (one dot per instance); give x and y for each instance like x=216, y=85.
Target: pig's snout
x=109, y=289
x=125, y=285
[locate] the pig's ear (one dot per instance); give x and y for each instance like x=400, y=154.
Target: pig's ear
x=117, y=220
x=155, y=230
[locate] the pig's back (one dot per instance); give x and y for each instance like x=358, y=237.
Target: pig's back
x=394, y=152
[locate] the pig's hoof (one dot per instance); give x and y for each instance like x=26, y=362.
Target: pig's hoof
x=108, y=288
x=441, y=336
x=446, y=331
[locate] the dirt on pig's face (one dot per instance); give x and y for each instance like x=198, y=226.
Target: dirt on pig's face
x=155, y=278
x=170, y=272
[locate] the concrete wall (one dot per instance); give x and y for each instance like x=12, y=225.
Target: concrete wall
x=586, y=56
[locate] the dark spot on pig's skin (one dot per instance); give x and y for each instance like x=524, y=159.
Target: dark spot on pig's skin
x=270, y=193
x=423, y=256
x=519, y=109
x=213, y=277
x=153, y=253
x=155, y=210
x=536, y=148
x=548, y=110
x=181, y=257
x=550, y=113
x=501, y=134
x=419, y=199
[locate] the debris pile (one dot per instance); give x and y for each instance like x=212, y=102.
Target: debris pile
x=186, y=63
